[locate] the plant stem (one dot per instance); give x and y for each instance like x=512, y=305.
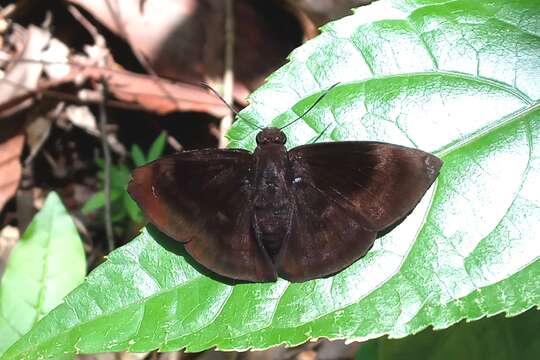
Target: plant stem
x=228, y=75
x=107, y=170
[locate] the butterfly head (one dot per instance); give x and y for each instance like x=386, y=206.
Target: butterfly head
x=271, y=136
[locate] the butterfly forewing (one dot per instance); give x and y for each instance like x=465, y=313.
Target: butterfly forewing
x=204, y=198
x=382, y=182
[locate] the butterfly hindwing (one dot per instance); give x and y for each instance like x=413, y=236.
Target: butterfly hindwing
x=324, y=238
x=345, y=192
x=204, y=198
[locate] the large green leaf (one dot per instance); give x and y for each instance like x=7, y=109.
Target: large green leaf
x=46, y=264
x=496, y=338
x=452, y=77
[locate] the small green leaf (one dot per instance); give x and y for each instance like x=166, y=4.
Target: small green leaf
x=46, y=264
x=133, y=209
x=120, y=175
x=118, y=209
x=496, y=338
x=157, y=147
x=138, y=156
x=96, y=201
x=367, y=351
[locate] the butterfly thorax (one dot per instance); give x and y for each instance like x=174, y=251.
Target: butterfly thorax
x=272, y=210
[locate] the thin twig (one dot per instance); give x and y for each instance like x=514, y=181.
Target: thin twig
x=99, y=40
x=7, y=11
x=86, y=97
x=92, y=30
x=228, y=74
x=107, y=170
x=175, y=144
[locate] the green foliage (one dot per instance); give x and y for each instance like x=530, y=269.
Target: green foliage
x=122, y=205
x=46, y=264
x=496, y=338
x=456, y=78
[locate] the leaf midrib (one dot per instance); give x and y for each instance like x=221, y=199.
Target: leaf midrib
x=43, y=277
x=491, y=128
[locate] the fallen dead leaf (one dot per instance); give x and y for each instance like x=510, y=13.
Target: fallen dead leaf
x=83, y=118
x=157, y=94
x=10, y=166
x=21, y=78
x=38, y=127
x=55, y=60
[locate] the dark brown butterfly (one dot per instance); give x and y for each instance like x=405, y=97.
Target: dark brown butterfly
x=299, y=214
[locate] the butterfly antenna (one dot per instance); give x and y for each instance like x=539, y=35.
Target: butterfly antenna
x=312, y=105
x=321, y=134
x=233, y=110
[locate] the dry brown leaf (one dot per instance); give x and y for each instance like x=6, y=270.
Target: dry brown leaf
x=151, y=93
x=21, y=78
x=38, y=127
x=10, y=167
x=83, y=118
x=157, y=94
x=55, y=58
